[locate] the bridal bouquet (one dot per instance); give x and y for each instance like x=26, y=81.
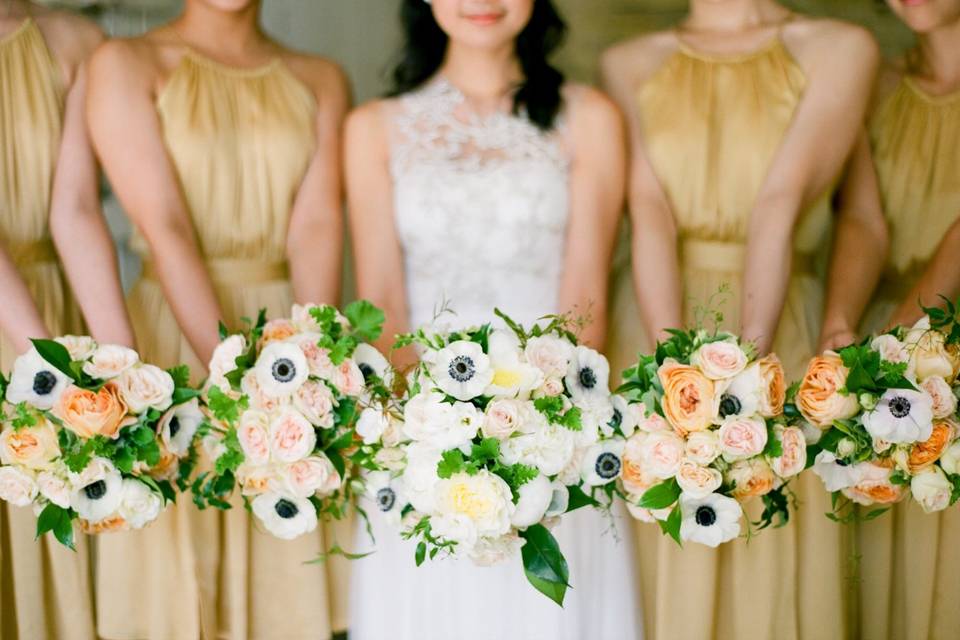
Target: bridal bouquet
x=283, y=399
x=885, y=413
x=95, y=435
x=711, y=435
x=503, y=431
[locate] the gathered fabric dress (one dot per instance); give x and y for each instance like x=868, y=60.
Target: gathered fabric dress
x=481, y=204
x=712, y=125
x=45, y=589
x=240, y=141
x=910, y=567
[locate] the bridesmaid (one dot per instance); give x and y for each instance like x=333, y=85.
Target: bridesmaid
x=49, y=205
x=223, y=146
x=908, y=583
x=741, y=119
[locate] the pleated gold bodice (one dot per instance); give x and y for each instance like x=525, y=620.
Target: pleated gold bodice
x=712, y=124
x=916, y=145
x=31, y=113
x=240, y=141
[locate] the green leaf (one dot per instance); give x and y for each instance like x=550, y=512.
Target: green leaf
x=671, y=526
x=421, y=553
x=224, y=407
x=660, y=496
x=487, y=450
x=451, y=462
x=59, y=521
x=543, y=563
x=56, y=356
x=141, y=435
x=182, y=395
x=774, y=448
x=365, y=319
x=337, y=550
x=26, y=417
x=579, y=499
x=180, y=375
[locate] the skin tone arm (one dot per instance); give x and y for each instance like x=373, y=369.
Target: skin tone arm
x=596, y=198
x=840, y=63
x=378, y=258
x=942, y=277
x=854, y=273
x=125, y=130
x=315, y=235
x=19, y=317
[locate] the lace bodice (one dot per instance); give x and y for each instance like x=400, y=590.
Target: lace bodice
x=481, y=207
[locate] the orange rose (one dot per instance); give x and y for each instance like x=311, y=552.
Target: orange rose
x=632, y=475
x=689, y=397
x=774, y=386
x=33, y=447
x=115, y=523
x=924, y=454
x=819, y=399
x=279, y=329
x=874, y=486
x=93, y=413
x=751, y=478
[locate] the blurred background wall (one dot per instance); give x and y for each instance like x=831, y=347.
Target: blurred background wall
x=362, y=35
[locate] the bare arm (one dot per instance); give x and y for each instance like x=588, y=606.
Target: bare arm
x=315, y=236
x=125, y=130
x=79, y=229
x=596, y=199
x=20, y=319
x=841, y=62
x=378, y=257
x=941, y=278
x=859, y=251
x=656, y=267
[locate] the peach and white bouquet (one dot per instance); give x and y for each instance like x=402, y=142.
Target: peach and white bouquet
x=504, y=429
x=882, y=415
x=93, y=434
x=283, y=400
x=711, y=435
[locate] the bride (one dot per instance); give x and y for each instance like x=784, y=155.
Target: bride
x=487, y=181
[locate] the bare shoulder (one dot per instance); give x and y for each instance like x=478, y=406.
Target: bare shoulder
x=69, y=37
x=589, y=107
x=367, y=124
x=136, y=62
x=324, y=76
x=633, y=61
x=832, y=44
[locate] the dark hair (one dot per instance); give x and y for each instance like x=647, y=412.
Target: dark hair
x=425, y=45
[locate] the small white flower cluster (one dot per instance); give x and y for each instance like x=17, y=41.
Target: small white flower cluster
x=501, y=425
x=289, y=418
x=97, y=443
x=893, y=434
x=708, y=438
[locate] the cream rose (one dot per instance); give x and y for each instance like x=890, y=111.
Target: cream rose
x=146, y=387
x=632, y=476
x=252, y=434
x=16, y=487
x=689, y=400
x=549, y=354
x=503, y=418
x=950, y=460
x=311, y=476
x=873, y=486
x=255, y=480
x=292, y=437
x=703, y=447
x=315, y=401
x=93, y=413
x=719, y=360
x=793, y=458
x=742, y=438
x=372, y=424
x=944, y=402
x=697, y=481
x=224, y=360
x=819, y=398
x=890, y=349
x=79, y=347
x=469, y=507
x=751, y=478
x=139, y=505
x=551, y=387
x=661, y=454
x=55, y=489
x=33, y=447
x=931, y=489
x=929, y=354
x=109, y=361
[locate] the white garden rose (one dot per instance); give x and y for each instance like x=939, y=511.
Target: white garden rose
x=931, y=489
x=291, y=436
x=281, y=369
x=54, y=488
x=348, y=379
x=16, y=487
x=36, y=382
x=535, y=497
x=550, y=388
x=469, y=507
x=311, y=476
x=549, y=448
x=550, y=354
x=697, y=481
x=250, y=387
x=302, y=318
x=139, y=505
x=703, y=447
x=428, y=418
x=494, y=550
x=79, y=347
x=256, y=479
x=661, y=454
x=224, y=361
x=109, y=361
x=419, y=478
x=502, y=418
x=950, y=460
x=372, y=424
x=929, y=354
x=284, y=516
x=462, y=370
x=318, y=359
x=145, y=387
x=944, y=402
x=253, y=434
x=719, y=360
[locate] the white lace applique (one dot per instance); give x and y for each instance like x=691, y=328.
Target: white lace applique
x=481, y=207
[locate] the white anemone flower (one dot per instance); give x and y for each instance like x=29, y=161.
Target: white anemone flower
x=743, y=395
x=99, y=492
x=711, y=520
x=513, y=377
x=35, y=381
x=284, y=516
x=835, y=473
x=281, y=369
x=178, y=426
x=386, y=492
x=462, y=370
x=602, y=463
x=373, y=363
x=588, y=376
x=901, y=416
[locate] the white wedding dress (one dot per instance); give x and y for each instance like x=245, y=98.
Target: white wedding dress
x=481, y=207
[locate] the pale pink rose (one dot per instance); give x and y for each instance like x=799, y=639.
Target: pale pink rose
x=551, y=387
x=944, y=402
x=703, y=447
x=252, y=434
x=654, y=423
x=55, y=489
x=79, y=347
x=318, y=359
x=302, y=319
x=312, y=476
x=550, y=354
x=719, y=360
x=348, y=379
x=697, y=481
x=661, y=454
x=16, y=487
x=292, y=437
x=874, y=486
x=146, y=387
x=315, y=401
x=502, y=419
x=742, y=438
x=258, y=399
x=109, y=361
x=890, y=349
x=793, y=460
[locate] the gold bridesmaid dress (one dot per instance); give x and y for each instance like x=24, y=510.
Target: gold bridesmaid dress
x=240, y=141
x=712, y=125
x=45, y=590
x=910, y=571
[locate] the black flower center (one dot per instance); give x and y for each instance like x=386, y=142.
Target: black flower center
x=899, y=407
x=286, y=509
x=842, y=463
x=386, y=498
x=96, y=490
x=44, y=382
x=366, y=370
x=617, y=420
x=284, y=370
x=462, y=368
x=705, y=516
x=607, y=466
x=587, y=377
x=730, y=405
x=174, y=426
